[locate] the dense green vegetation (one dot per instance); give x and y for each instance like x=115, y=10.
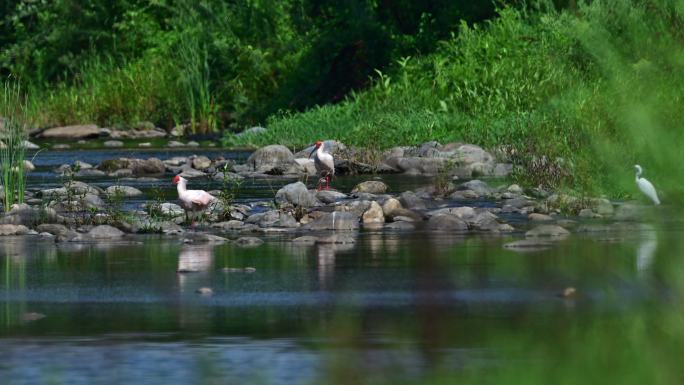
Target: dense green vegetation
x=574, y=96
x=213, y=63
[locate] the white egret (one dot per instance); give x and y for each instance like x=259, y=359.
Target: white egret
x=645, y=186
x=325, y=164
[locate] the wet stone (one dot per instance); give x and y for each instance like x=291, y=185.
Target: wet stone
x=248, y=241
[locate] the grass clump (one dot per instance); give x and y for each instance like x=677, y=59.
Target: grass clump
x=13, y=135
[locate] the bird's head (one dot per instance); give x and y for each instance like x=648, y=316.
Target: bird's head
x=316, y=147
x=637, y=168
x=177, y=179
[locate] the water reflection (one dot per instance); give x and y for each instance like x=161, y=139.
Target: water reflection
x=194, y=262
x=645, y=253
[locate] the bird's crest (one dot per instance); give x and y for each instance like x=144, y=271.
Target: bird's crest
x=176, y=179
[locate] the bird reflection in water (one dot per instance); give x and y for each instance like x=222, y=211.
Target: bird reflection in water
x=645, y=252
x=325, y=254
x=194, y=261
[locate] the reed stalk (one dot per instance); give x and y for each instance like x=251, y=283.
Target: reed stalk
x=13, y=135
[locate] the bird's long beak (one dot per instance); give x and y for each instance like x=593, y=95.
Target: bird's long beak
x=312, y=151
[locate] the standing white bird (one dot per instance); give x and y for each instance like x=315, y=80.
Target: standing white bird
x=192, y=201
x=325, y=165
x=645, y=186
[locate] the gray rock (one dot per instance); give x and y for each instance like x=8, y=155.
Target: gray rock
x=405, y=213
x=552, y=231
x=586, y=213
x=145, y=144
x=374, y=214
x=356, y=207
x=468, y=153
x=330, y=196
x=23, y=214
x=192, y=143
x=484, y=221
x=536, y=217
x=105, y=232
x=175, y=143
x=52, y=228
x=390, y=206
x=370, y=186
x=171, y=209
x=89, y=173
x=464, y=195
x=334, y=221
x=8, y=229
x=515, y=189
x=148, y=132
x=273, y=218
x=252, y=131
x=306, y=240
x=629, y=212
x=411, y=201
x=227, y=176
x=447, y=222
x=189, y=172
x=502, y=170
x=307, y=166
x=476, y=185
x=296, y=194
x=230, y=225
x=113, y=143
x=122, y=173
x=72, y=132
x=125, y=191
x=61, y=146
x=201, y=162
x=603, y=207
x=273, y=159
x=248, y=241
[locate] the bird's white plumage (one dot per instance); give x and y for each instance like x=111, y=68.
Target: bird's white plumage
x=193, y=200
x=645, y=186
x=325, y=164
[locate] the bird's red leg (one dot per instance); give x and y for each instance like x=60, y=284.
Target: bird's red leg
x=327, y=182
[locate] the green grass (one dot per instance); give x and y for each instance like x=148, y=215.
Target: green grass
x=12, y=149
x=576, y=96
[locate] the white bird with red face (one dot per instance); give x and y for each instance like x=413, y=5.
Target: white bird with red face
x=192, y=201
x=325, y=165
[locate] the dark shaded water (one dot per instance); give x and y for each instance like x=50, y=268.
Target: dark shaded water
x=394, y=305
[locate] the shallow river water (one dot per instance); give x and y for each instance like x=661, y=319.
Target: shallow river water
x=394, y=305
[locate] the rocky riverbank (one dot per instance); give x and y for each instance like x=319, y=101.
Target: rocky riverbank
x=456, y=201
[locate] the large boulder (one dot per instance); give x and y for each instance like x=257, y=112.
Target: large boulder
x=296, y=194
x=81, y=131
x=478, y=186
x=273, y=218
x=105, y=232
x=330, y=196
x=371, y=187
x=13, y=229
x=447, y=222
x=23, y=214
x=374, y=214
x=273, y=159
x=139, y=167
